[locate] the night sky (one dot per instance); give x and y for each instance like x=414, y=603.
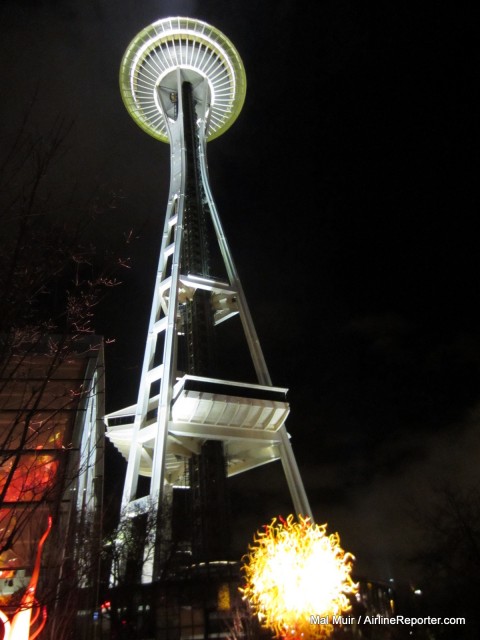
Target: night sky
x=348, y=191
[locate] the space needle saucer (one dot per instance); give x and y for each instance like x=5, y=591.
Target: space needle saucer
x=150, y=66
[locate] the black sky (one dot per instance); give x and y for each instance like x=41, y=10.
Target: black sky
x=348, y=190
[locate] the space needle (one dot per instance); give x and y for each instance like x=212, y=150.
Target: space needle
x=197, y=420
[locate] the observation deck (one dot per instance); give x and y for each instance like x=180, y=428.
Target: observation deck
x=149, y=71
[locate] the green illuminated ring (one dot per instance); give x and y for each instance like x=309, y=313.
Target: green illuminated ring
x=191, y=44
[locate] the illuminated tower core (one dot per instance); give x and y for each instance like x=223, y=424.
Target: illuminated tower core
x=193, y=426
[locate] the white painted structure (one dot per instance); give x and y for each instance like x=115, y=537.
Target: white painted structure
x=176, y=413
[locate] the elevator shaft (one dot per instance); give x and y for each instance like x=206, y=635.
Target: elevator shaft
x=210, y=533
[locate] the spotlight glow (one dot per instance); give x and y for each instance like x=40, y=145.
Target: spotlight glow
x=295, y=570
